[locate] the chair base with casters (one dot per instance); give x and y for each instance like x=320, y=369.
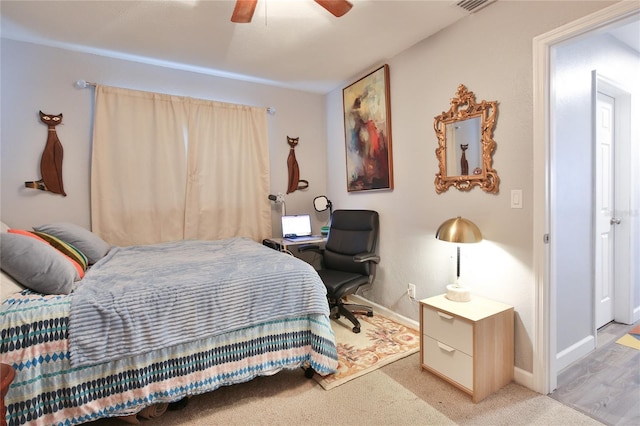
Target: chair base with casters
x=347, y=310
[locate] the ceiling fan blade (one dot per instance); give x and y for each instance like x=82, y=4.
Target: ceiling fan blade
x=336, y=7
x=243, y=11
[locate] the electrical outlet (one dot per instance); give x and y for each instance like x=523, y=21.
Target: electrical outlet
x=411, y=291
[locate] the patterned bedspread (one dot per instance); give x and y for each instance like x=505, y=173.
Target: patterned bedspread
x=48, y=390
x=142, y=298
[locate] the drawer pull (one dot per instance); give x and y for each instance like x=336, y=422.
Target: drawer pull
x=445, y=347
x=445, y=316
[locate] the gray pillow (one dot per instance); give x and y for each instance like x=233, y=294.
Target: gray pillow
x=36, y=265
x=94, y=247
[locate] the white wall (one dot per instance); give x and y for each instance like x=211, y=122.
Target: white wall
x=41, y=78
x=573, y=176
x=491, y=53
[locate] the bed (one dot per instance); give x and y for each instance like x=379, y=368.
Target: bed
x=154, y=324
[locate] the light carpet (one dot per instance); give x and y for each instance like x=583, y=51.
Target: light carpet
x=396, y=394
x=399, y=393
x=381, y=341
x=631, y=339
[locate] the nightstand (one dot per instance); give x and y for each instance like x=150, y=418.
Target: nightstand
x=468, y=344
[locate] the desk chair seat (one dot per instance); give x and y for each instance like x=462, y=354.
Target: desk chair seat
x=348, y=260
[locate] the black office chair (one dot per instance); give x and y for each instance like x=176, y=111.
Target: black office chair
x=348, y=260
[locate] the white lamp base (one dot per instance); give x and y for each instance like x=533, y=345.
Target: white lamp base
x=457, y=293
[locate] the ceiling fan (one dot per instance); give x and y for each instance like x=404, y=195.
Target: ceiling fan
x=243, y=11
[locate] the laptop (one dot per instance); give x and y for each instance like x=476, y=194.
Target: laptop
x=297, y=227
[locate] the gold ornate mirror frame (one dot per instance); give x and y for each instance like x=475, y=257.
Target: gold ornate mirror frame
x=466, y=145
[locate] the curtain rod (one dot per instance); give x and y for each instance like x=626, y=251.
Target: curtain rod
x=83, y=84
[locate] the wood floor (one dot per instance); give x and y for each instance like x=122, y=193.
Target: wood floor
x=605, y=385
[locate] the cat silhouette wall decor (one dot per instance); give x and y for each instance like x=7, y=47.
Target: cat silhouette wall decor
x=464, y=164
x=51, y=160
x=295, y=182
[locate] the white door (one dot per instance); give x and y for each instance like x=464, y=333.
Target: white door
x=605, y=209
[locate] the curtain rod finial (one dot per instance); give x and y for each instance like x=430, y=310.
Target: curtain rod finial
x=83, y=84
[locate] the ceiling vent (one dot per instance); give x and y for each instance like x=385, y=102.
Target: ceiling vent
x=472, y=6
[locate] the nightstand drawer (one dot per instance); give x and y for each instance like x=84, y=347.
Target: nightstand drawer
x=448, y=361
x=450, y=330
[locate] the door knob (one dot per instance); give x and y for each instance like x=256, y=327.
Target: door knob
x=614, y=221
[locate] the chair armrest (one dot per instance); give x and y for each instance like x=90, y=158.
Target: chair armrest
x=309, y=247
x=366, y=257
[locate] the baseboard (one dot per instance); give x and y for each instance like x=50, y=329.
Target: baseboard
x=575, y=352
x=385, y=311
x=524, y=378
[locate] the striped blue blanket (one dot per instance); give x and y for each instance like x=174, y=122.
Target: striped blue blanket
x=144, y=298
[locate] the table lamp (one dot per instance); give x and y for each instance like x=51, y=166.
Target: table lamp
x=459, y=231
x=279, y=199
x=322, y=203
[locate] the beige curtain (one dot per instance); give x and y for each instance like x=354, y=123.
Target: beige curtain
x=168, y=168
x=228, y=172
x=138, y=167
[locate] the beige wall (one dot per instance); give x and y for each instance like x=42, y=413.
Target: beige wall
x=491, y=53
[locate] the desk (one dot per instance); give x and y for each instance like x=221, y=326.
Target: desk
x=288, y=246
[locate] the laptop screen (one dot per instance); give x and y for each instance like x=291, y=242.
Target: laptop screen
x=296, y=225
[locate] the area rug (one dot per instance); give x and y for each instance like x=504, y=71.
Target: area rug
x=381, y=341
x=631, y=339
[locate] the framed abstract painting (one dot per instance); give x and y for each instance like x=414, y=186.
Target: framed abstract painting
x=367, y=126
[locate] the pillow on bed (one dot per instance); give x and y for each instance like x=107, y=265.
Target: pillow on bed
x=8, y=285
x=65, y=248
x=94, y=247
x=36, y=265
x=29, y=234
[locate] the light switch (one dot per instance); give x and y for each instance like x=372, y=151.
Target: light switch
x=516, y=198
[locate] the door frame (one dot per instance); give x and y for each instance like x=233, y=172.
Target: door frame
x=544, y=339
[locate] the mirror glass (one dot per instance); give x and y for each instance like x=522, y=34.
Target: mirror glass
x=321, y=203
x=464, y=147
x=465, y=144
